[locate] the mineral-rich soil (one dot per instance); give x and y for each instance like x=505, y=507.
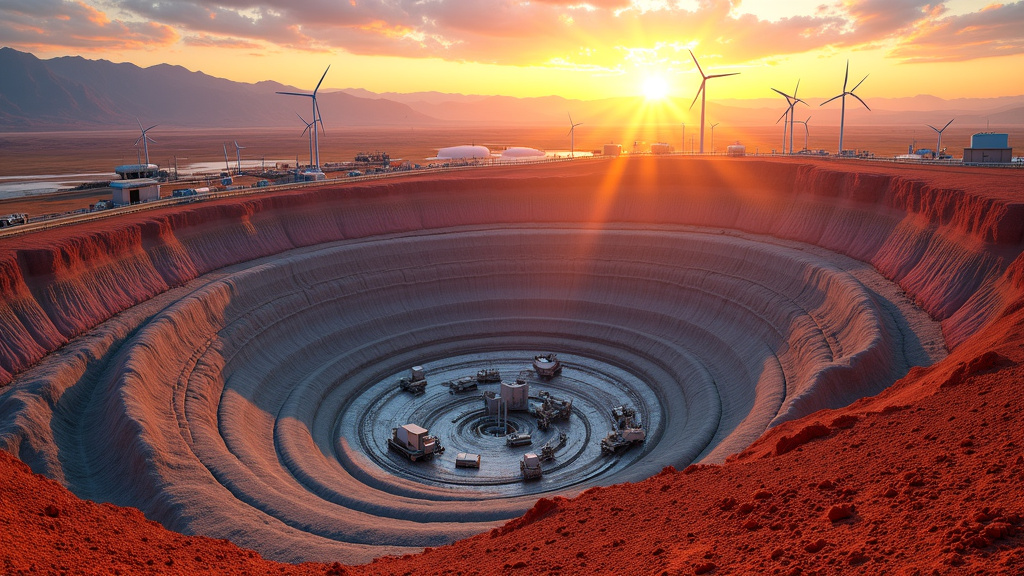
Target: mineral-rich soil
x=926, y=475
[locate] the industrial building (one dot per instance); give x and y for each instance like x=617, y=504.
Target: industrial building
x=989, y=148
x=135, y=190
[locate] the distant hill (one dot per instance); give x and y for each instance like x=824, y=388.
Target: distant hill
x=75, y=93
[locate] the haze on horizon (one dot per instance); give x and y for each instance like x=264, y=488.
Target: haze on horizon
x=576, y=49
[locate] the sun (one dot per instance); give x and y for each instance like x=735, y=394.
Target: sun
x=655, y=88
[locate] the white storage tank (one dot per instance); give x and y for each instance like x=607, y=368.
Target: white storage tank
x=736, y=149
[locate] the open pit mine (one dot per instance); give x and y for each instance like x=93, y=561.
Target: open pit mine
x=231, y=368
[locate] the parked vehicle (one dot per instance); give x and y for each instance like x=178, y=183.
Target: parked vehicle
x=414, y=442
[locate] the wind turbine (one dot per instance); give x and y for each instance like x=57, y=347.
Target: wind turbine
x=227, y=167
x=572, y=136
x=145, y=139
x=806, y=131
x=316, y=115
x=238, y=156
x=938, y=147
x=842, y=112
x=792, y=101
x=307, y=129
x=703, y=95
x=713, y=135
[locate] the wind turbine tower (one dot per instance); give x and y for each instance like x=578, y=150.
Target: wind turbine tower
x=309, y=126
x=702, y=93
x=238, y=156
x=790, y=114
x=227, y=166
x=316, y=117
x=938, y=146
x=572, y=136
x=842, y=110
x=145, y=139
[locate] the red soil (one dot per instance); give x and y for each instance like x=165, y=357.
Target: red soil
x=927, y=477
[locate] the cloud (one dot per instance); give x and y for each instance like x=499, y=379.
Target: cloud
x=57, y=24
x=996, y=30
x=603, y=34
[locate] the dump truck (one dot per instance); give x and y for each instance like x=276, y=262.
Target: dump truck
x=415, y=382
x=547, y=365
x=488, y=375
x=547, y=451
x=518, y=439
x=530, y=466
x=414, y=442
x=551, y=409
x=467, y=460
x=461, y=384
x=622, y=439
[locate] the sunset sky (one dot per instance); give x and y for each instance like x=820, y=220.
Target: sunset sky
x=577, y=49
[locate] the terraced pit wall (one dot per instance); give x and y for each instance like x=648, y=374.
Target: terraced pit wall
x=222, y=363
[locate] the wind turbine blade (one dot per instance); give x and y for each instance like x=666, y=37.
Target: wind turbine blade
x=861, y=101
x=808, y=120
x=569, y=133
x=296, y=94
x=797, y=89
x=797, y=100
x=784, y=114
x=321, y=80
x=832, y=98
x=139, y=121
x=570, y=119
x=137, y=140
x=151, y=127
x=946, y=126
x=854, y=89
x=699, y=90
x=783, y=94
x=698, y=65
x=934, y=128
x=319, y=118
x=847, y=76
x=150, y=139
x=721, y=75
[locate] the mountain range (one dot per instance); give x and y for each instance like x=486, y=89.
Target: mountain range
x=74, y=93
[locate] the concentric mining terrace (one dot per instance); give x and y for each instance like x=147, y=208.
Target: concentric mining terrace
x=229, y=367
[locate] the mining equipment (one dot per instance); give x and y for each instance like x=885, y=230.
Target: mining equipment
x=547, y=451
x=626, y=433
x=551, y=409
x=461, y=384
x=547, y=365
x=466, y=460
x=488, y=375
x=530, y=466
x=625, y=417
x=13, y=219
x=375, y=157
x=518, y=439
x=414, y=442
x=415, y=382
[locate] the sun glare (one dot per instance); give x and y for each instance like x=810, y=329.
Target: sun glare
x=655, y=88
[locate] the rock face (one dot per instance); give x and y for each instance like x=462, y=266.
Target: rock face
x=210, y=354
